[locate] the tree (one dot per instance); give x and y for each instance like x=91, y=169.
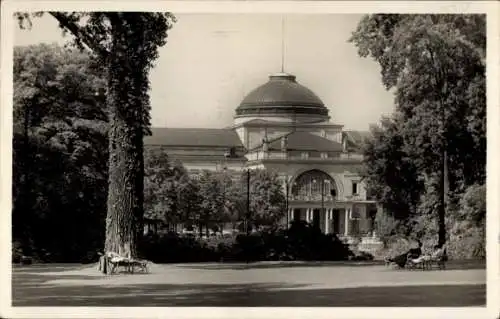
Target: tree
x=213, y=194
x=391, y=175
x=267, y=199
x=170, y=195
x=126, y=43
x=158, y=174
x=436, y=66
x=59, y=153
x=189, y=200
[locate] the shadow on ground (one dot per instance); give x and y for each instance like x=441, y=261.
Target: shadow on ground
x=28, y=290
x=451, y=265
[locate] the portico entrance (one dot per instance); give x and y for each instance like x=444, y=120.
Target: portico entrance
x=315, y=199
x=329, y=221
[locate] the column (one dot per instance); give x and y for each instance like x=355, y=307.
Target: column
x=346, y=223
x=332, y=227
x=308, y=215
x=327, y=220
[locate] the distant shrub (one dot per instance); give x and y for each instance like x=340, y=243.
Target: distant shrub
x=386, y=226
x=362, y=256
x=305, y=242
x=397, y=245
x=466, y=241
x=466, y=225
x=17, y=252
x=172, y=248
x=300, y=242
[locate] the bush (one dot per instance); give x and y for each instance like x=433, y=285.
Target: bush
x=362, y=256
x=304, y=242
x=172, y=248
x=397, y=245
x=386, y=226
x=466, y=241
x=467, y=226
x=300, y=242
x=17, y=252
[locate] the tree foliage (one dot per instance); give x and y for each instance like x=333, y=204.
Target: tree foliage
x=59, y=152
x=216, y=198
x=389, y=165
x=267, y=198
x=435, y=65
x=213, y=199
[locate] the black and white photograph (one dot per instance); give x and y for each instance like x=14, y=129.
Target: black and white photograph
x=255, y=157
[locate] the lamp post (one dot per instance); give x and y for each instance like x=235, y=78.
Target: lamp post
x=322, y=190
x=247, y=218
x=286, y=202
x=333, y=193
x=323, y=197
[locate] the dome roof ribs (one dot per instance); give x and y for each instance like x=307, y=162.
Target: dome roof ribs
x=282, y=95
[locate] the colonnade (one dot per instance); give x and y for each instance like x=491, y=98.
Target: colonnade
x=328, y=217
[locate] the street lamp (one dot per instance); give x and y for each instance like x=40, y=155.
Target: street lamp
x=286, y=201
x=322, y=190
x=333, y=193
x=247, y=217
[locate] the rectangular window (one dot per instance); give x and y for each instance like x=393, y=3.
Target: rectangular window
x=305, y=155
x=324, y=155
x=355, y=188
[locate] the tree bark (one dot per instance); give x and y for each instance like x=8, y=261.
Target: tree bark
x=126, y=165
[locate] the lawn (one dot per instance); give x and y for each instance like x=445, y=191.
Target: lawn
x=259, y=284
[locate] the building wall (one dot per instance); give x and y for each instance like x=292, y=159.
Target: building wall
x=243, y=135
x=343, y=174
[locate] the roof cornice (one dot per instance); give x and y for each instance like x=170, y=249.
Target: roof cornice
x=306, y=161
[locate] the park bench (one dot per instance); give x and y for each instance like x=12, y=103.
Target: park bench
x=438, y=259
x=114, y=261
x=427, y=261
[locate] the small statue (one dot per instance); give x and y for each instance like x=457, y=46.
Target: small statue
x=283, y=144
x=265, y=145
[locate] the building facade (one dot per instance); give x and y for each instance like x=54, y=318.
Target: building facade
x=284, y=127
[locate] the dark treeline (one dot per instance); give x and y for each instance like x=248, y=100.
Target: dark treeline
x=59, y=154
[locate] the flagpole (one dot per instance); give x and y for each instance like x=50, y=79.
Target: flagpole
x=282, y=44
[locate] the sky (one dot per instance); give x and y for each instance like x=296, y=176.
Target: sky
x=211, y=61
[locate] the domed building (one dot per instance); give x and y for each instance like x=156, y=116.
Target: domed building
x=285, y=127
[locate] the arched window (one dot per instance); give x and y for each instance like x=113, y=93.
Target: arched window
x=311, y=184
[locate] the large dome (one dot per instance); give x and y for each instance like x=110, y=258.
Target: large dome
x=282, y=96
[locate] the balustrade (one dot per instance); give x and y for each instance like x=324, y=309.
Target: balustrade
x=312, y=198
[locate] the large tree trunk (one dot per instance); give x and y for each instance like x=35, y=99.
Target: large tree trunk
x=126, y=99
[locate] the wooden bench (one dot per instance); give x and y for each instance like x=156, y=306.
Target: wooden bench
x=424, y=262
x=112, y=262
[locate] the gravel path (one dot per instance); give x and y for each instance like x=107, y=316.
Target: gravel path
x=305, y=277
